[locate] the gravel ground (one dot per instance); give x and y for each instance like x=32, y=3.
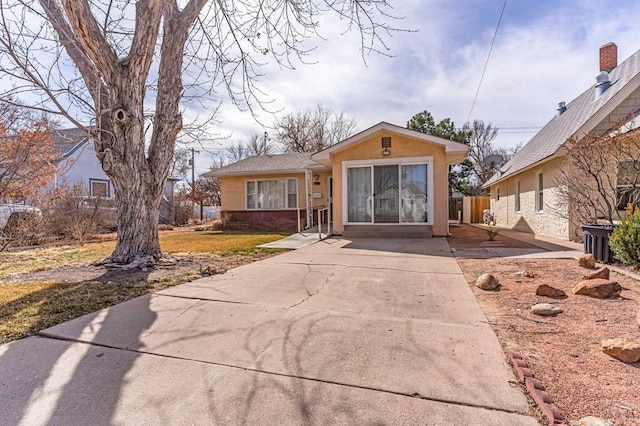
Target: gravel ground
x=564, y=351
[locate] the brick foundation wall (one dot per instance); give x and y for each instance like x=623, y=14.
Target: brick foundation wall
x=261, y=220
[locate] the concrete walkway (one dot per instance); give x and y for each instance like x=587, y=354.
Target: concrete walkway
x=340, y=332
x=546, y=247
x=299, y=239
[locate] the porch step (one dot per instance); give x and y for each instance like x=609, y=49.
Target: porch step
x=388, y=231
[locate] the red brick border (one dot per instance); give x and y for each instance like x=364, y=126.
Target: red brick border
x=536, y=390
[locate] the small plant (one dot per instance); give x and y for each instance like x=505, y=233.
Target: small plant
x=625, y=240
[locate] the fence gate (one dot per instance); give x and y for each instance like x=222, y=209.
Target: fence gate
x=478, y=204
x=455, y=206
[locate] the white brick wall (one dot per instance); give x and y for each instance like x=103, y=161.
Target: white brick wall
x=546, y=222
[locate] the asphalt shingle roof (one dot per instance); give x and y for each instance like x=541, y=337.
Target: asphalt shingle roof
x=64, y=140
x=268, y=163
x=560, y=128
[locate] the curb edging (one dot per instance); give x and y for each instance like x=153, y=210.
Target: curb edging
x=537, y=390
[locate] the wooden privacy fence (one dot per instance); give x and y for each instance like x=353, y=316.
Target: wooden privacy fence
x=478, y=205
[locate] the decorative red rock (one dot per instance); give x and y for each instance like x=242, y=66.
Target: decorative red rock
x=600, y=273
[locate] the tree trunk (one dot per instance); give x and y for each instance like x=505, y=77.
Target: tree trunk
x=138, y=213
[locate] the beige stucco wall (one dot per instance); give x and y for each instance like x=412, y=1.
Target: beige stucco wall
x=551, y=221
x=401, y=147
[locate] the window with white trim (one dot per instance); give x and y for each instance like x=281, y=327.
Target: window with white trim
x=498, y=193
x=517, y=196
x=272, y=194
x=99, y=188
x=540, y=193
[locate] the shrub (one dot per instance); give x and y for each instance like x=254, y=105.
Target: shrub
x=625, y=240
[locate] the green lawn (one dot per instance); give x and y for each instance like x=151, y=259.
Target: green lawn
x=28, y=307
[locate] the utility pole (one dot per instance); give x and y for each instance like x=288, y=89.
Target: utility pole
x=192, y=163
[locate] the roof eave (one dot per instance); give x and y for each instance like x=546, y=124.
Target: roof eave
x=262, y=172
x=524, y=169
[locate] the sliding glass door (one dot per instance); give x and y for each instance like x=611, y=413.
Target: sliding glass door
x=388, y=193
x=385, y=194
x=359, y=194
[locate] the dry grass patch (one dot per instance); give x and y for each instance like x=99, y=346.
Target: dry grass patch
x=215, y=242
x=33, y=306
x=41, y=259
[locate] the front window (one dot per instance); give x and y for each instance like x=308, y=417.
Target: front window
x=99, y=188
x=628, y=184
x=272, y=194
x=517, y=196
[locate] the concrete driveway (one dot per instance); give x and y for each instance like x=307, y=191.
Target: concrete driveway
x=340, y=332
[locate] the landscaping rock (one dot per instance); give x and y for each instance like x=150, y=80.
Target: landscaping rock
x=592, y=421
x=598, y=287
x=638, y=318
x=526, y=274
x=548, y=291
x=487, y=282
x=546, y=309
x=600, y=273
x=587, y=261
x=622, y=349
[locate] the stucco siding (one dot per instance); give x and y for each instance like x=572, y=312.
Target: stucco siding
x=550, y=221
x=401, y=147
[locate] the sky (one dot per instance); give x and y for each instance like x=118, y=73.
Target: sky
x=545, y=52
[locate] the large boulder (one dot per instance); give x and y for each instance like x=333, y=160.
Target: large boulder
x=622, y=349
x=598, y=287
x=487, y=282
x=600, y=273
x=587, y=261
x=548, y=291
x=546, y=309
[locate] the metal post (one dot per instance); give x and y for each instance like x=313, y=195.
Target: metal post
x=319, y=226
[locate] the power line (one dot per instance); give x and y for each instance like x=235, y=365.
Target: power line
x=475, y=98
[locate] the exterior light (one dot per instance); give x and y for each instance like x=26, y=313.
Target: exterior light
x=386, y=152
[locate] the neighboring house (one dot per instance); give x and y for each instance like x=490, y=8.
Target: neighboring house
x=386, y=180
x=79, y=165
x=524, y=193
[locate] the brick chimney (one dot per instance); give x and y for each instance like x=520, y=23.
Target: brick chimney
x=608, y=57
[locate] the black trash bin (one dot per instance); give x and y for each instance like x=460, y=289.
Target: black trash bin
x=596, y=241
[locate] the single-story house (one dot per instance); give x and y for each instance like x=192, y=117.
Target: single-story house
x=524, y=191
x=78, y=165
x=385, y=180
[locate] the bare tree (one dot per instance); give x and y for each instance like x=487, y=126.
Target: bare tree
x=27, y=153
x=480, y=137
x=313, y=130
x=180, y=163
x=125, y=67
x=599, y=177
x=257, y=145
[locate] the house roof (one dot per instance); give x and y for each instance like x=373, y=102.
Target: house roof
x=581, y=116
x=66, y=141
x=449, y=145
x=295, y=162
